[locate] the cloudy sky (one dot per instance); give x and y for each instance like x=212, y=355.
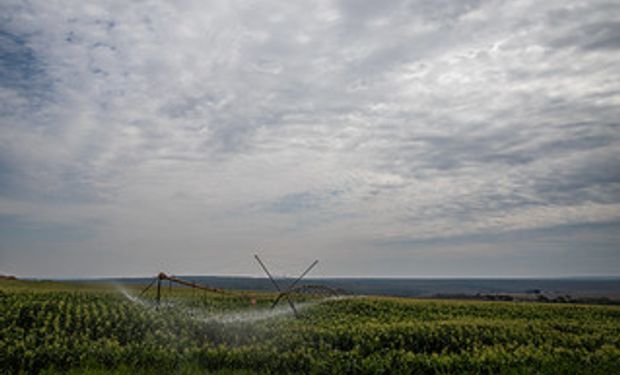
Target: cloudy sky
x=401, y=138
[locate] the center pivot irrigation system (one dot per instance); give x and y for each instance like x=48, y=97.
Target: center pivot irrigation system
x=283, y=292
x=172, y=279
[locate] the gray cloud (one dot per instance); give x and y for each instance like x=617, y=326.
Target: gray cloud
x=323, y=128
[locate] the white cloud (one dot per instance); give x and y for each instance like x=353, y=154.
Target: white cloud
x=220, y=124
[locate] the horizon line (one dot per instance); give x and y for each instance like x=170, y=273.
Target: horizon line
x=400, y=277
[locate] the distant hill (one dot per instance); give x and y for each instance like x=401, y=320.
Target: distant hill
x=578, y=287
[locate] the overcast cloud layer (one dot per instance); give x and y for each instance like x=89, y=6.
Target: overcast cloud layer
x=408, y=138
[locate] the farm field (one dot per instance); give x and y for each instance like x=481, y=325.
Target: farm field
x=48, y=327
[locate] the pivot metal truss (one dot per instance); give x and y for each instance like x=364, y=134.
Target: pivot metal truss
x=285, y=293
x=171, y=279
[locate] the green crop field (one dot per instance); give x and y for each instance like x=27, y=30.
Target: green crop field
x=58, y=328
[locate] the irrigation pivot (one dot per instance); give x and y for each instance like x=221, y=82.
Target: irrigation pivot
x=172, y=279
x=285, y=293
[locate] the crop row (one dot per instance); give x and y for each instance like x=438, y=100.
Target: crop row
x=67, y=329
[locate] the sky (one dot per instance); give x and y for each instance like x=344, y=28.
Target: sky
x=457, y=138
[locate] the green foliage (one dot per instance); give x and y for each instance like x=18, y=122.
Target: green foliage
x=55, y=329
